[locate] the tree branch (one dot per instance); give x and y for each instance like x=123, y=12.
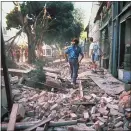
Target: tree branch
x=9, y=39
x=18, y=33
x=15, y=3
x=37, y=19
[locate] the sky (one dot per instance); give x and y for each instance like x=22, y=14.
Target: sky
x=86, y=7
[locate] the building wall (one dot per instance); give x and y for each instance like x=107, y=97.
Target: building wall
x=94, y=27
x=121, y=11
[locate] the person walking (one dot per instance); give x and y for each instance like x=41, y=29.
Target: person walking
x=94, y=53
x=72, y=54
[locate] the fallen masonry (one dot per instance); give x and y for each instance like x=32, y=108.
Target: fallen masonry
x=85, y=108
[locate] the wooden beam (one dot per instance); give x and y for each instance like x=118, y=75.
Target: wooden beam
x=47, y=69
x=41, y=123
x=5, y=73
x=53, y=75
x=13, y=115
x=18, y=71
x=81, y=90
x=46, y=126
x=25, y=125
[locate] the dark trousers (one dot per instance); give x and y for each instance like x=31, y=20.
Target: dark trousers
x=74, y=66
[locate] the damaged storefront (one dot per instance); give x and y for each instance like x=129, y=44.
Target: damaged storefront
x=104, y=15
x=121, y=67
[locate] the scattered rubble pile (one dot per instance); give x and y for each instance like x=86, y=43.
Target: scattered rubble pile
x=96, y=109
x=65, y=73
x=88, y=104
x=125, y=107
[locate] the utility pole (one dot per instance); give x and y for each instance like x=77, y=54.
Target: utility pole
x=5, y=73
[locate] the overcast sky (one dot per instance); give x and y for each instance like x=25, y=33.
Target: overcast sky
x=86, y=7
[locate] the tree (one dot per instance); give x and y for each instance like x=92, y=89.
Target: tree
x=44, y=21
x=67, y=28
x=19, y=18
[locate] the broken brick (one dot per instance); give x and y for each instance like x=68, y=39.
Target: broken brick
x=93, y=110
x=21, y=112
x=103, y=111
x=42, y=93
x=119, y=124
x=93, y=95
x=46, y=106
x=34, y=97
x=87, y=97
x=115, y=112
x=74, y=108
x=86, y=115
x=101, y=119
x=73, y=115
x=54, y=107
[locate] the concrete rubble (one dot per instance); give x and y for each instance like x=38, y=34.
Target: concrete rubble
x=108, y=111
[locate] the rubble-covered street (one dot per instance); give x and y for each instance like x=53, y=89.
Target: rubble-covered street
x=92, y=107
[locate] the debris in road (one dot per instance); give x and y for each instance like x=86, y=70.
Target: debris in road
x=119, y=124
x=89, y=102
x=41, y=123
x=13, y=116
x=86, y=115
x=21, y=112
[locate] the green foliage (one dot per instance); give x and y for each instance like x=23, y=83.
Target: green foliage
x=10, y=62
x=68, y=24
x=37, y=76
x=65, y=22
x=13, y=19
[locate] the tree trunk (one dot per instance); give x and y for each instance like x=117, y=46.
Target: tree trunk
x=31, y=45
x=31, y=50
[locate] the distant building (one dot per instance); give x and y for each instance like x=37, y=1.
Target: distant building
x=94, y=27
x=47, y=50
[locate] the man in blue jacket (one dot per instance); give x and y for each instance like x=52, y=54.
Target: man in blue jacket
x=73, y=54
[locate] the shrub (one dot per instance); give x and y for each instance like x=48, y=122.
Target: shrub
x=37, y=76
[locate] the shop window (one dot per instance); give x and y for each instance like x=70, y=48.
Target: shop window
x=125, y=3
x=122, y=4
x=122, y=45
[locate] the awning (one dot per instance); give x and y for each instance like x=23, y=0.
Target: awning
x=100, y=9
x=125, y=16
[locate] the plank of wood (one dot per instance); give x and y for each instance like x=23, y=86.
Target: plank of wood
x=46, y=126
x=81, y=90
x=47, y=69
x=13, y=115
x=111, y=89
x=51, y=74
x=25, y=125
x=18, y=71
x=41, y=123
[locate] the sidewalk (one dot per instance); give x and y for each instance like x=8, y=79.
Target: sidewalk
x=107, y=82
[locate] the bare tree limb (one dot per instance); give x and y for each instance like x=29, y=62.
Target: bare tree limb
x=15, y=3
x=37, y=19
x=18, y=33
x=9, y=39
